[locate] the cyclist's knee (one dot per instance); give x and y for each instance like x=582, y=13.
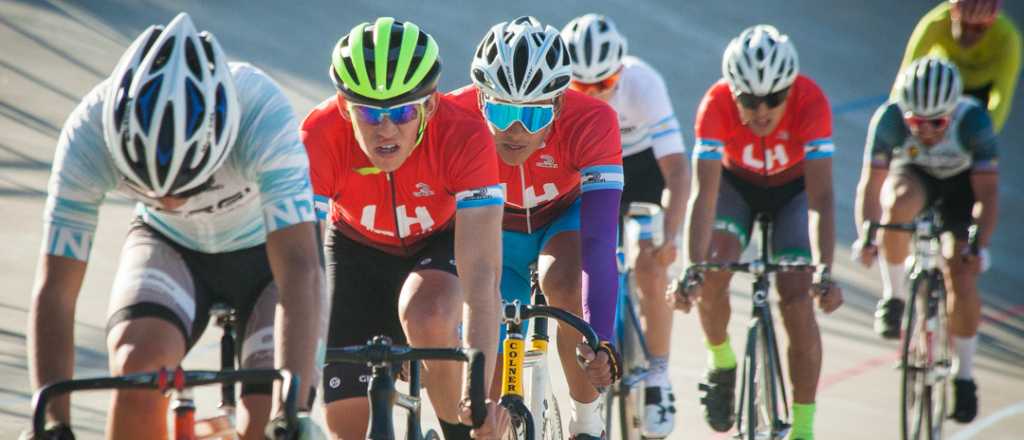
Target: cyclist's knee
x=347, y=418
x=253, y=415
x=561, y=285
x=145, y=344
x=431, y=319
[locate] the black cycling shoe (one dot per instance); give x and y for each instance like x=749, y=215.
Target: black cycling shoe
x=888, y=316
x=965, y=400
x=719, y=401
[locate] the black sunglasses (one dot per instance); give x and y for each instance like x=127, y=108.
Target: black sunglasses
x=772, y=100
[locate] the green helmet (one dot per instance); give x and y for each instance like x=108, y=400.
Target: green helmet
x=385, y=63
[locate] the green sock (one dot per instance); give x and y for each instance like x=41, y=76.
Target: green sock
x=722, y=357
x=803, y=421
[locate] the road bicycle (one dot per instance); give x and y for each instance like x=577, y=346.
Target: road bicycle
x=925, y=361
x=534, y=405
x=382, y=357
x=763, y=409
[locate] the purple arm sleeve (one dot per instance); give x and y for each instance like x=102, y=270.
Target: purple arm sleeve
x=599, y=222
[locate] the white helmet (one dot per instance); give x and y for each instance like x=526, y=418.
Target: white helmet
x=929, y=87
x=521, y=61
x=596, y=47
x=171, y=113
x=760, y=61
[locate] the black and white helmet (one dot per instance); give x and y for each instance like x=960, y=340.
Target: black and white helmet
x=596, y=47
x=521, y=61
x=171, y=112
x=929, y=87
x=760, y=61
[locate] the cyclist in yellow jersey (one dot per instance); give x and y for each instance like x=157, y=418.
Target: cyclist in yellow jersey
x=983, y=43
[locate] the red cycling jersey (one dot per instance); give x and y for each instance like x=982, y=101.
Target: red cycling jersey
x=581, y=153
x=454, y=166
x=805, y=132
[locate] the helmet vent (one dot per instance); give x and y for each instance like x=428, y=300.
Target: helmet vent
x=556, y=84
x=165, y=142
x=533, y=83
x=605, y=47
x=152, y=39
x=192, y=58
x=163, y=55
x=587, y=49
x=139, y=165
x=122, y=98
x=503, y=80
x=208, y=48
x=144, y=104
x=521, y=61
x=553, y=53
x=194, y=106
x=219, y=113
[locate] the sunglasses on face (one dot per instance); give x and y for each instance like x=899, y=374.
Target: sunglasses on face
x=532, y=117
x=399, y=114
x=597, y=87
x=916, y=122
x=752, y=102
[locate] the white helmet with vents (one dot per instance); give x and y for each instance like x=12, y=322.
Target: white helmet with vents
x=929, y=87
x=760, y=61
x=171, y=112
x=596, y=47
x=521, y=61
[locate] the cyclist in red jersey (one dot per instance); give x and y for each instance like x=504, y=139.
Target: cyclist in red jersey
x=763, y=145
x=561, y=165
x=411, y=184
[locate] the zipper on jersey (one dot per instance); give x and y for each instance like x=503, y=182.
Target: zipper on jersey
x=526, y=203
x=394, y=212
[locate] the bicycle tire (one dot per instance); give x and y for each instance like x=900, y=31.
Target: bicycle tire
x=520, y=423
x=431, y=435
x=746, y=420
x=631, y=399
x=915, y=393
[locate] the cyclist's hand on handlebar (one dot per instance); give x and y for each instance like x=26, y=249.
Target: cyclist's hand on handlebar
x=683, y=291
x=979, y=263
x=865, y=255
x=57, y=431
x=495, y=424
x=828, y=294
x=305, y=429
x=602, y=368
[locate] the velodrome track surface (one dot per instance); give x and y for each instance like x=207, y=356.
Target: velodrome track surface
x=53, y=52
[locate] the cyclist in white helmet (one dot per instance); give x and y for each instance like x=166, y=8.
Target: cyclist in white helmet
x=210, y=152
x=764, y=145
x=932, y=146
x=561, y=166
x=656, y=171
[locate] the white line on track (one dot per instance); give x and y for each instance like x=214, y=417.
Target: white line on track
x=971, y=430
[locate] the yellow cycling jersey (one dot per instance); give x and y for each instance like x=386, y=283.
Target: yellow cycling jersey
x=989, y=69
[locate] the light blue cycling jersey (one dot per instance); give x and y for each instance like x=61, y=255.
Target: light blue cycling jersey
x=646, y=117
x=262, y=186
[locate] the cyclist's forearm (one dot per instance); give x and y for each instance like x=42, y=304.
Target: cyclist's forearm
x=599, y=212
x=51, y=324
x=677, y=185
x=478, y=261
x=700, y=218
x=822, y=227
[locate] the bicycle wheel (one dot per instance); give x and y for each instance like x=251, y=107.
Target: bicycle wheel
x=747, y=420
x=631, y=396
x=432, y=435
x=551, y=423
x=520, y=422
x=923, y=387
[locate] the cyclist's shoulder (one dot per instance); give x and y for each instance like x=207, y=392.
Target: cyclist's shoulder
x=324, y=118
x=887, y=124
x=636, y=69
x=972, y=119
x=255, y=87
x=1006, y=35
x=465, y=97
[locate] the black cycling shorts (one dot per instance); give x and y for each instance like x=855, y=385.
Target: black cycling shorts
x=952, y=197
x=644, y=182
x=739, y=201
x=365, y=283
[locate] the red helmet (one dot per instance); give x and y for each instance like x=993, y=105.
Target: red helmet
x=976, y=11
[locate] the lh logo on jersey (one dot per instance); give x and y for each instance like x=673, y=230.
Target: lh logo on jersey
x=774, y=158
x=422, y=218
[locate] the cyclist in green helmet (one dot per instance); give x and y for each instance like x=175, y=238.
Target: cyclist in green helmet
x=410, y=183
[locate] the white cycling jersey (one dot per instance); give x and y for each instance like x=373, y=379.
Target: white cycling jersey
x=262, y=186
x=646, y=118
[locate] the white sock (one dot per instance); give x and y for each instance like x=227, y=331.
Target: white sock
x=657, y=374
x=893, y=280
x=587, y=418
x=963, y=365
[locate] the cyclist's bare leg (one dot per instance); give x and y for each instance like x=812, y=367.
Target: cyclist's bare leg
x=347, y=418
x=559, y=268
x=804, y=350
x=252, y=416
x=651, y=277
x=903, y=197
x=713, y=307
x=430, y=308
x=139, y=345
x=964, y=303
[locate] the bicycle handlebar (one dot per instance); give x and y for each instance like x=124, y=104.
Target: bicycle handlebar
x=529, y=311
x=380, y=353
x=755, y=267
x=159, y=380
x=869, y=228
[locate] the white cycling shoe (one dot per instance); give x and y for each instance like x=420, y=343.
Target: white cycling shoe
x=659, y=412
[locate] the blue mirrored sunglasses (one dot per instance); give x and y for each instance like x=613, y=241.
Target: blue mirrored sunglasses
x=532, y=117
x=398, y=114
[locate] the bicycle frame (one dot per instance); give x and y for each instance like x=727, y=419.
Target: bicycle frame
x=381, y=355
